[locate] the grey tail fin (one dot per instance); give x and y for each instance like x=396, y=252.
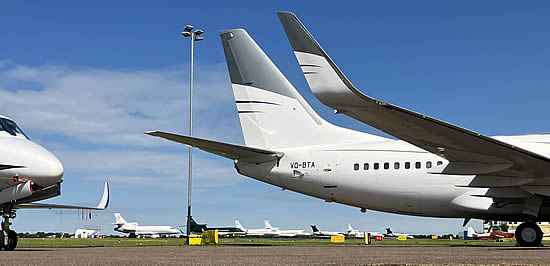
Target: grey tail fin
x=271, y=111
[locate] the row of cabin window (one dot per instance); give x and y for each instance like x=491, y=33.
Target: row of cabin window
x=396, y=165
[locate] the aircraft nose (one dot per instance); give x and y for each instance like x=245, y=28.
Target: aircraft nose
x=46, y=168
x=53, y=169
x=49, y=171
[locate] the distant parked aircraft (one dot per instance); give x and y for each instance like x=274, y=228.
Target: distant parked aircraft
x=199, y=228
x=268, y=230
x=389, y=233
x=494, y=234
x=134, y=229
x=317, y=232
x=359, y=234
x=288, y=233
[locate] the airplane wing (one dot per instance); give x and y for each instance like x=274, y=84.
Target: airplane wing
x=101, y=206
x=469, y=153
x=231, y=151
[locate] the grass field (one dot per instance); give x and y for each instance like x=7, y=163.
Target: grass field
x=127, y=242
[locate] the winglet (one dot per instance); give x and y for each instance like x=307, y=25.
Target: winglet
x=325, y=79
x=105, y=199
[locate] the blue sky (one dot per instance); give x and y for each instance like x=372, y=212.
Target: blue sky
x=85, y=80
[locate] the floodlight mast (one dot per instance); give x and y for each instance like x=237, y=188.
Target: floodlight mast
x=195, y=36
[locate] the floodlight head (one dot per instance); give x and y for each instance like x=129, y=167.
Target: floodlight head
x=199, y=32
x=188, y=28
x=186, y=34
x=199, y=38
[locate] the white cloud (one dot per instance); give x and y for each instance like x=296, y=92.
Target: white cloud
x=94, y=120
x=105, y=106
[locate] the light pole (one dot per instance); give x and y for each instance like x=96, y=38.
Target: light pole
x=195, y=36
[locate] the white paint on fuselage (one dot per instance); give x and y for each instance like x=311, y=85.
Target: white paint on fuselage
x=36, y=163
x=404, y=191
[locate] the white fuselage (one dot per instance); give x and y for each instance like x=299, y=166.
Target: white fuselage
x=330, y=172
x=263, y=232
x=147, y=229
x=26, y=160
x=293, y=233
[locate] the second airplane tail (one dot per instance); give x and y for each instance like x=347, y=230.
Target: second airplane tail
x=239, y=225
x=119, y=219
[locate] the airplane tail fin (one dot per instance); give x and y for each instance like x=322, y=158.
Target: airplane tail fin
x=350, y=228
x=471, y=232
x=314, y=228
x=272, y=113
x=195, y=227
x=239, y=225
x=388, y=231
x=267, y=225
x=119, y=219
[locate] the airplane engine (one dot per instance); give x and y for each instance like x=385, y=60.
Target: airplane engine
x=16, y=192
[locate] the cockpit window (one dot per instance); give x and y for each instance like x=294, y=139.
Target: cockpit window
x=10, y=127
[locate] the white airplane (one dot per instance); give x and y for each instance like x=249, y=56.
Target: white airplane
x=135, y=230
x=266, y=231
x=359, y=234
x=437, y=169
x=389, y=233
x=28, y=173
x=287, y=233
x=317, y=232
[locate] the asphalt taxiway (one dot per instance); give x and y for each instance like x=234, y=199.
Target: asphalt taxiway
x=276, y=255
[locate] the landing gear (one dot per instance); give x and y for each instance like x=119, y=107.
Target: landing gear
x=8, y=238
x=529, y=234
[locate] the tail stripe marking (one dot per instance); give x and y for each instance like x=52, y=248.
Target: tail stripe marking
x=256, y=102
x=249, y=112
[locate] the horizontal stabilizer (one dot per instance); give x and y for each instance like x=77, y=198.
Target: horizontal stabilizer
x=231, y=151
x=101, y=206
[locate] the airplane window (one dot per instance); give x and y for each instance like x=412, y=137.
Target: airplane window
x=376, y=166
x=386, y=166
x=356, y=167
x=439, y=162
x=366, y=166
x=396, y=165
x=418, y=165
x=10, y=127
x=407, y=165
x=428, y=165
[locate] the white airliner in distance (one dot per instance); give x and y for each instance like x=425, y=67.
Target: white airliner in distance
x=317, y=232
x=28, y=173
x=436, y=169
x=271, y=231
x=360, y=234
x=135, y=230
x=389, y=233
x=289, y=232
x=267, y=231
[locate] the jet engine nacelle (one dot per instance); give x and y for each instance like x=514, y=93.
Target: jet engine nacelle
x=16, y=192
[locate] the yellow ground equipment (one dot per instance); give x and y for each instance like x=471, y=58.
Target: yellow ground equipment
x=337, y=239
x=402, y=238
x=210, y=237
x=195, y=239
